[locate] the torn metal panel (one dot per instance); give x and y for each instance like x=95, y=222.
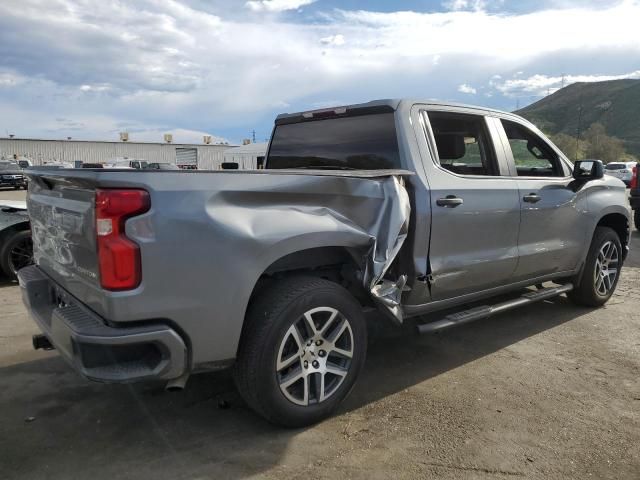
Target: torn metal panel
x=390, y=233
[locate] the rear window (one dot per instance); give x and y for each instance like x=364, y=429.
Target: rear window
x=615, y=166
x=365, y=142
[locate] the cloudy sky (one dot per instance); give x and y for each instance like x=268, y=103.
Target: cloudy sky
x=89, y=69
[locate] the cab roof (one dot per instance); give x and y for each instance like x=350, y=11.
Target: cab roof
x=375, y=106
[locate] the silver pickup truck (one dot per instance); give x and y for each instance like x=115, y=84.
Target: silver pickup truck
x=408, y=207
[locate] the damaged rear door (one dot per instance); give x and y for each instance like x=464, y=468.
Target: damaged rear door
x=475, y=207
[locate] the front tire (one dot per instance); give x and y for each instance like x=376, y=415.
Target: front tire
x=601, y=270
x=303, y=346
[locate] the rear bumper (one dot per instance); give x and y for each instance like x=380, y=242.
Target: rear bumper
x=98, y=351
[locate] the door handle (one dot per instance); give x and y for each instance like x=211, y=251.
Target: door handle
x=532, y=198
x=450, y=201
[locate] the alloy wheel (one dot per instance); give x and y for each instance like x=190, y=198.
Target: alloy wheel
x=606, y=269
x=314, y=356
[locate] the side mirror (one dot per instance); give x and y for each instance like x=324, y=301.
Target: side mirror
x=588, y=170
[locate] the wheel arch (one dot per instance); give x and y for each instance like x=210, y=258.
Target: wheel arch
x=337, y=262
x=12, y=228
x=619, y=223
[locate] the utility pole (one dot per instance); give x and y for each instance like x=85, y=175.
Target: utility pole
x=578, y=131
x=563, y=75
x=253, y=135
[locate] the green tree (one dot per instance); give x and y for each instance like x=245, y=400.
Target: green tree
x=601, y=146
x=569, y=146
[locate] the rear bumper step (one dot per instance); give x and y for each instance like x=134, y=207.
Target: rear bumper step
x=99, y=351
x=485, y=311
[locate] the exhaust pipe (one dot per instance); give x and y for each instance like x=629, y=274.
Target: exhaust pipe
x=177, y=384
x=41, y=341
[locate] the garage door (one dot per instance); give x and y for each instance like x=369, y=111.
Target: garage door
x=186, y=156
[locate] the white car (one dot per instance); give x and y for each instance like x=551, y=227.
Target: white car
x=621, y=170
x=126, y=163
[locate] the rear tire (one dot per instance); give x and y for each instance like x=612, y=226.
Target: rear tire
x=303, y=346
x=636, y=219
x=601, y=270
x=16, y=252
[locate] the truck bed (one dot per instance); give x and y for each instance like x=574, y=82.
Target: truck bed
x=208, y=237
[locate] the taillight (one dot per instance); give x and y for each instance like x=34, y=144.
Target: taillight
x=634, y=178
x=118, y=256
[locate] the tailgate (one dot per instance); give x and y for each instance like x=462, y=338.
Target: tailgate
x=62, y=214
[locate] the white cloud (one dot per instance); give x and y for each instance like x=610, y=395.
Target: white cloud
x=335, y=40
x=162, y=64
x=496, y=36
x=457, y=5
x=10, y=79
x=539, y=85
x=277, y=5
x=95, y=88
x=464, y=88
x=84, y=126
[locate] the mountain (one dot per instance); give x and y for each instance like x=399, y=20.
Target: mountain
x=615, y=104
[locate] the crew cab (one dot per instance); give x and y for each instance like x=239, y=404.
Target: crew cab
x=409, y=207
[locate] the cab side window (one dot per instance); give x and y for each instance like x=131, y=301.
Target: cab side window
x=463, y=143
x=533, y=157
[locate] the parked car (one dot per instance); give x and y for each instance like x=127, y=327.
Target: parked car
x=11, y=175
x=162, y=166
x=127, y=163
x=405, y=206
x=620, y=170
x=634, y=194
x=16, y=248
x=24, y=163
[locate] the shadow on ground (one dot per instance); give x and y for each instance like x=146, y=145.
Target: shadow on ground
x=5, y=282
x=56, y=425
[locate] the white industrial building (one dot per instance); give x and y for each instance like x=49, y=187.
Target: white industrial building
x=248, y=157
x=40, y=152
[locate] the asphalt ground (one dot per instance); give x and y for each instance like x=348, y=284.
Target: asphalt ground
x=547, y=391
